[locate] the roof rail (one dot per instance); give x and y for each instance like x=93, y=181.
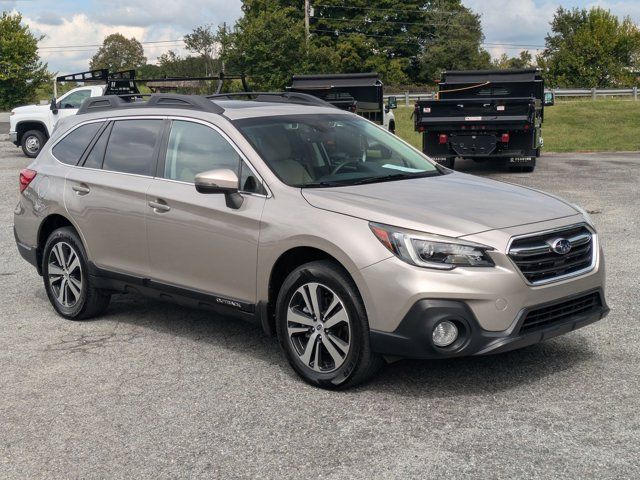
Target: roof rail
x=276, y=97
x=155, y=100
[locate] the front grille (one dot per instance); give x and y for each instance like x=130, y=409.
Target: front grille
x=558, y=312
x=539, y=263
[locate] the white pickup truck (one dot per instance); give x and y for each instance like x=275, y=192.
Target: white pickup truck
x=30, y=126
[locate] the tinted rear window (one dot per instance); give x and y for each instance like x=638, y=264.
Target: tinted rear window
x=70, y=148
x=132, y=146
x=95, y=156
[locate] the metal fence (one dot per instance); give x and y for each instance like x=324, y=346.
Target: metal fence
x=592, y=93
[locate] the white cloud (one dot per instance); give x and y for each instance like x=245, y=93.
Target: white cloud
x=159, y=20
x=522, y=22
x=184, y=13
x=526, y=22
x=81, y=30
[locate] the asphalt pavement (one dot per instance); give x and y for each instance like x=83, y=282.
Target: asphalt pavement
x=152, y=390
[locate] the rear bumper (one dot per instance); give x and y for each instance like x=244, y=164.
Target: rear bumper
x=30, y=254
x=412, y=338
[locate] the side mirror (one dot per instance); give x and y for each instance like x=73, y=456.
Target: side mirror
x=392, y=103
x=221, y=180
x=54, y=105
x=549, y=99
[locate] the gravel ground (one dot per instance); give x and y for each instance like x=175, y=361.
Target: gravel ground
x=156, y=391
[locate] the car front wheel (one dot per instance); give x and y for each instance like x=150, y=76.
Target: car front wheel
x=322, y=327
x=32, y=142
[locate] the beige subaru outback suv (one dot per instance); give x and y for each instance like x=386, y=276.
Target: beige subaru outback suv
x=331, y=233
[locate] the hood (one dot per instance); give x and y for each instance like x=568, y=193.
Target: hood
x=453, y=205
x=30, y=109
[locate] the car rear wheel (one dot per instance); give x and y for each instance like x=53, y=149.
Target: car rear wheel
x=32, y=142
x=66, y=278
x=322, y=327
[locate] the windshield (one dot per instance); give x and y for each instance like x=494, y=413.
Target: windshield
x=332, y=150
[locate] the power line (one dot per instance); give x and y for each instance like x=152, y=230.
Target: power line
x=368, y=21
x=100, y=45
x=404, y=39
x=395, y=10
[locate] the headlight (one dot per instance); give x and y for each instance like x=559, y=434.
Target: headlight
x=432, y=251
x=584, y=213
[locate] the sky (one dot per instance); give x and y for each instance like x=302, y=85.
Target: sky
x=73, y=29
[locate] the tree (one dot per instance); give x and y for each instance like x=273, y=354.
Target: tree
x=403, y=40
x=118, y=53
x=504, y=62
x=268, y=45
x=21, y=71
x=203, y=40
x=591, y=48
x=455, y=45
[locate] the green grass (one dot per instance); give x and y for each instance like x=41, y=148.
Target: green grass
x=570, y=126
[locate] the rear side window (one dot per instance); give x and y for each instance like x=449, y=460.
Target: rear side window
x=70, y=148
x=132, y=146
x=96, y=155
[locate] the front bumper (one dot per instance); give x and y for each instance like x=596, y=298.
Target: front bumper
x=13, y=138
x=412, y=339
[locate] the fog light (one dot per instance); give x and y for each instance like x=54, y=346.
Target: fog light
x=444, y=334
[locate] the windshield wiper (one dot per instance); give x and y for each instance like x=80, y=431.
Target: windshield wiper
x=394, y=176
x=321, y=184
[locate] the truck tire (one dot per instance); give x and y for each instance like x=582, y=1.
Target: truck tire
x=448, y=162
x=528, y=167
x=32, y=142
x=392, y=127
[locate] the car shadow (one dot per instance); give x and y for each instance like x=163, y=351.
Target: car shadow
x=484, y=374
x=485, y=167
x=424, y=378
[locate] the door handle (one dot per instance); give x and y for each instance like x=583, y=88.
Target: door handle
x=159, y=206
x=80, y=189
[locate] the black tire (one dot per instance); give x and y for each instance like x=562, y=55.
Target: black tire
x=448, y=162
x=29, y=139
x=526, y=168
x=359, y=363
x=90, y=302
x=392, y=127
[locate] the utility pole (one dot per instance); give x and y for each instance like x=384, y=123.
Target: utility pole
x=223, y=39
x=307, y=7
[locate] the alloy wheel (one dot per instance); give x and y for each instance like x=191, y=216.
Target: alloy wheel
x=65, y=274
x=318, y=327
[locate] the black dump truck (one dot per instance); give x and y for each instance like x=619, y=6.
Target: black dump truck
x=361, y=93
x=485, y=115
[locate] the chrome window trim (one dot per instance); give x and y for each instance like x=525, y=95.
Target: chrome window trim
x=595, y=249
x=240, y=153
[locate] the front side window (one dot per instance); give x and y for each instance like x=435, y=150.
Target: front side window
x=70, y=148
x=195, y=148
x=132, y=146
x=332, y=150
x=75, y=99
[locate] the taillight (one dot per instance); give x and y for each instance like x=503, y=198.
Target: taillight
x=442, y=138
x=26, y=177
x=505, y=138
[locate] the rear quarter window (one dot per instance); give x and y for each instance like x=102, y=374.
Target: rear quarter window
x=133, y=146
x=69, y=150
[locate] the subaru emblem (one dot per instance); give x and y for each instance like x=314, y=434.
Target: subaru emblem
x=561, y=246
